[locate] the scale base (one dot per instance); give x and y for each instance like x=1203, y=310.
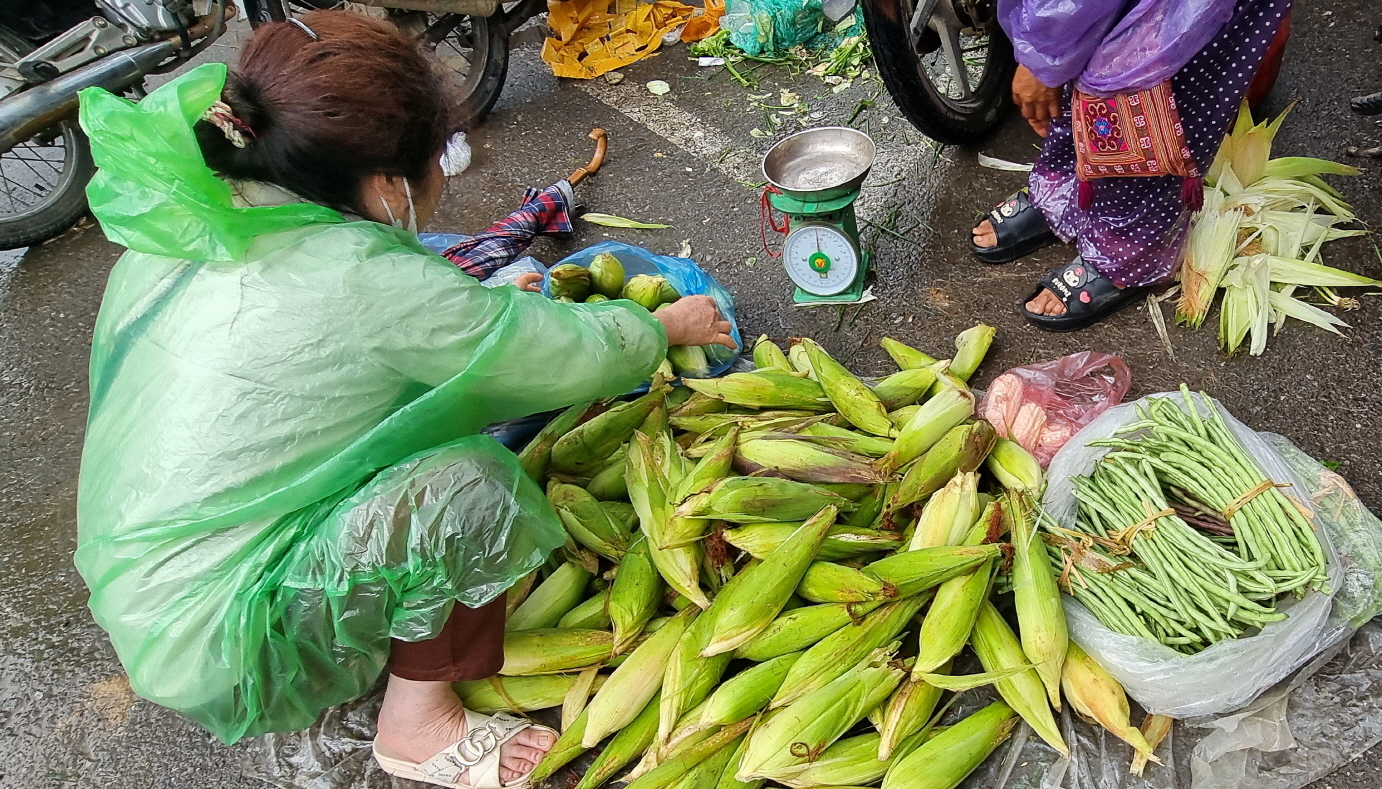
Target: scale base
x=850, y=295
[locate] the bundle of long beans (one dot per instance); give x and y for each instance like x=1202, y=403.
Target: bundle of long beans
x=1180, y=536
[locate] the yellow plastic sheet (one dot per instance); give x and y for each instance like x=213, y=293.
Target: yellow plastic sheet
x=597, y=36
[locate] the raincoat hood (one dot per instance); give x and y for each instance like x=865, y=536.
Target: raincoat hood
x=153, y=191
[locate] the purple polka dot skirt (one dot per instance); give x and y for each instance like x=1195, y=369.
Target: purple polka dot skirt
x=1136, y=228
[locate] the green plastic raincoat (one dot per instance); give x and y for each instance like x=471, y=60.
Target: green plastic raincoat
x=282, y=468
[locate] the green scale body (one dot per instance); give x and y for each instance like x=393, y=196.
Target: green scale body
x=823, y=239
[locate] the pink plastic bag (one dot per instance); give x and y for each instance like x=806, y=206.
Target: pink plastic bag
x=1041, y=406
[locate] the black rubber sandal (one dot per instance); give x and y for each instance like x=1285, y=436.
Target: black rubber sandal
x=1020, y=229
x=1088, y=296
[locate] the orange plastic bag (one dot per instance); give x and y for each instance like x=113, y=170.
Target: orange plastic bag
x=594, y=37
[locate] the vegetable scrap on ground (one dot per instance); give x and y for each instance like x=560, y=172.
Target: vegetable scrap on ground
x=774, y=576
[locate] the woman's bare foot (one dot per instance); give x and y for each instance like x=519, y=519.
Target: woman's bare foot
x=1046, y=303
x=418, y=720
x=984, y=235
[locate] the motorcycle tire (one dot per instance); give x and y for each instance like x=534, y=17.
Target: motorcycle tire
x=904, y=73
x=480, y=87
x=58, y=205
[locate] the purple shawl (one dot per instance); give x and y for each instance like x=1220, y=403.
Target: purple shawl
x=1110, y=46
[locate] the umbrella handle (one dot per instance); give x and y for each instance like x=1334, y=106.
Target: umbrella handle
x=601, y=139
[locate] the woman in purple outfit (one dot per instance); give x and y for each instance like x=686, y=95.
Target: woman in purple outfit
x=1133, y=98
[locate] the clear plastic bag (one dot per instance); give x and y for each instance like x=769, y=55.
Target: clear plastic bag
x=1042, y=405
x=683, y=274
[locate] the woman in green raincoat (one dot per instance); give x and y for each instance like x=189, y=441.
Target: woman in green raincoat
x=283, y=490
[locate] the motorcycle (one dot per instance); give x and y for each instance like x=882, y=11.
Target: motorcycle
x=946, y=64
x=49, y=51
x=469, y=37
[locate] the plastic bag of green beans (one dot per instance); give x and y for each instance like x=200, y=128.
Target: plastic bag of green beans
x=1230, y=673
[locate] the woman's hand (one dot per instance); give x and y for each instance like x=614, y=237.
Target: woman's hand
x=1038, y=103
x=531, y=282
x=695, y=320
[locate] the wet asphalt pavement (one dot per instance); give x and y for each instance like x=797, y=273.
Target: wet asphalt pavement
x=687, y=159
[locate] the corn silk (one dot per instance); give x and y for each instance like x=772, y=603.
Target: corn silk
x=282, y=466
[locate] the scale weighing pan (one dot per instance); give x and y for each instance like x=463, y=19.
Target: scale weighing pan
x=821, y=163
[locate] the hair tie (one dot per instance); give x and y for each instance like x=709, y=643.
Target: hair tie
x=223, y=117
x=303, y=25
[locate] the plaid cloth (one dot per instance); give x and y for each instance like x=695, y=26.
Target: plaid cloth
x=544, y=212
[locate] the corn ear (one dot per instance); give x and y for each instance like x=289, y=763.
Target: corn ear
x=770, y=388
x=912, y=572
x=690, y=678
x=635, y=682
x=907, y=713
x=971, y=346
x=683, y=531
x=848, y=440
x=798, y=733
x=962, y=449
x=738, y=697
x=609, y=483
x=850, y=762
x=767, y=355
x=904, y=388
x=551, y=600
x=1014, y=467
x=949, y=514
x=689, y=361
x=537, y=455
x=1095, y=694
x=631, y=742
x=801, y=628
x=828, y=582
x=1040, y=617
x=945, y=629
x=553, y=650
x=845, y=648
x=593, y=614
x=931, y=422
x=634, y=595
x=852, y=398
x=649, y=478
x=998, y=649
x=696, y=404
x=587, y=446
x=945, y=760
x=760, y=500
x=516, y=694
x=805, y=461
x=905, y=356
x=841, y=542
x=588, y=523
x=756, y=595
x=800, y=360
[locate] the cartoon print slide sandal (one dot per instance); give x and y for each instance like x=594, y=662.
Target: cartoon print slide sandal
x=1020, y=229
x=1088, y=296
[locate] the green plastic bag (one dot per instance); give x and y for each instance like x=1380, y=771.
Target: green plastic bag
x=282, y=468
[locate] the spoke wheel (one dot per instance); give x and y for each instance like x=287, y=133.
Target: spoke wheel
x=42, y=180
x=949, y=74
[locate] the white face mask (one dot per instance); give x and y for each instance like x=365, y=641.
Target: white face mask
x=411, y=224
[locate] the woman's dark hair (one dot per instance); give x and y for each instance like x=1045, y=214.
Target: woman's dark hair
x=325, y=113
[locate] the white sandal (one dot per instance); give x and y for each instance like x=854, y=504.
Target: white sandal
x=477, y=751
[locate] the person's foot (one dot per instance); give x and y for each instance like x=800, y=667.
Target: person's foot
x=418, y=720
x=1046, y=303
x=984, y=235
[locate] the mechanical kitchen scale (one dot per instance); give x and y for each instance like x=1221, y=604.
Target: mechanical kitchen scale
x=814, y=178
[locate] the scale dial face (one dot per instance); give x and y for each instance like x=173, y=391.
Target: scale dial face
x=820, y=258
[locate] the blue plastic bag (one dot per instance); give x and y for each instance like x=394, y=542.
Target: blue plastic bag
x=683, y=274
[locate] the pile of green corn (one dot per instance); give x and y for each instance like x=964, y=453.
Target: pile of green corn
x=1180, y=536
x=605, y=279
x=771, y=575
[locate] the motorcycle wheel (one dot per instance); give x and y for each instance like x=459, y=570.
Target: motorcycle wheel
x=473, y=48
x=955, y=82
x=43, y=179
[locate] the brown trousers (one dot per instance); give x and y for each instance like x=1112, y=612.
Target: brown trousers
x=469, y=646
